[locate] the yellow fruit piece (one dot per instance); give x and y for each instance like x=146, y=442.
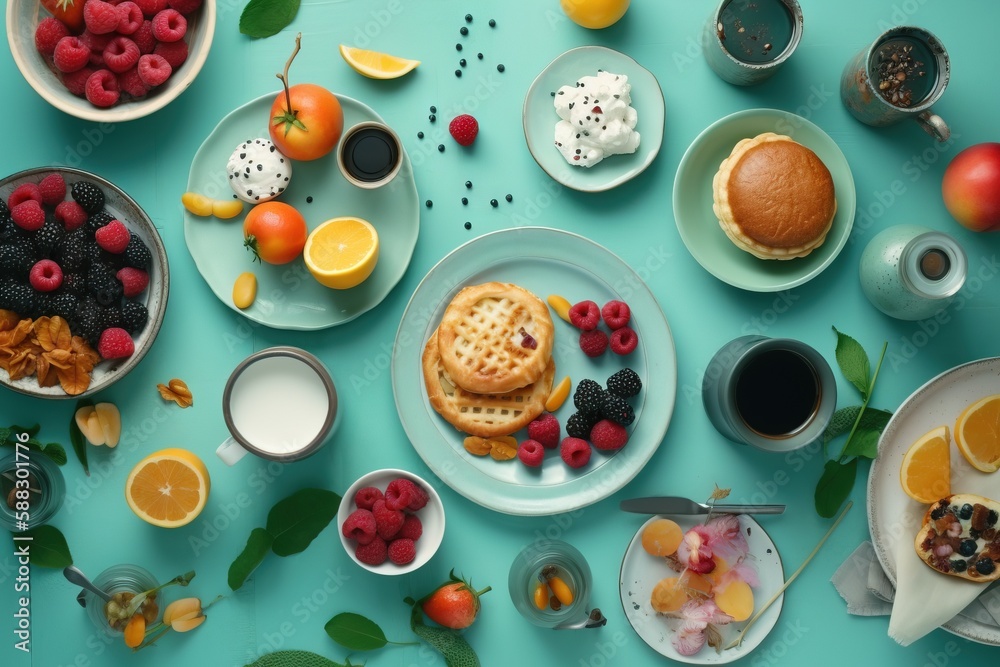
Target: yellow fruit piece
x=168, y=488
x=926, y=470
x=244, y=290
x=376, y=65
x=341, y=253
x=561, y=590
x=110, y=421
x=227, y=208
x=595, y=14
x=668, y=595
x=560, y=305
x=501, y=451
x=477, y=446
x=735, y=599
x=558, y=395
x=541, y=595
x=503, y=440
x=135, y=631
x=91, y=430
x=196, y=203
x=662, y=537
x=977, y=434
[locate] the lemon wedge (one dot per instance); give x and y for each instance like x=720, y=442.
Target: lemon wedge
x=341, y=253
x=376, y=65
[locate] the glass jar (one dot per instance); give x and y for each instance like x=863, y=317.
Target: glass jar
x=566, y=562
x=24, y=470
x=116, y=579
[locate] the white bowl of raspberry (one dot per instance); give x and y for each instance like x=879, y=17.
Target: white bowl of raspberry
x=110, y=61
x=83, y=283
x=391, y=521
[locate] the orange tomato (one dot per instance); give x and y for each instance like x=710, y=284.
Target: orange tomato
x=275, y=232
x=311, y=127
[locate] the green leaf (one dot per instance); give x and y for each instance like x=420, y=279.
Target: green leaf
x=355, y=632
x=864, y=443
x=263, y=18
x=853, y=362
x=835, y=486
x=252, y=555
x=32, y=431
x=296, y=521
x=874, y=419
x=294, y=659
x=4, y=434
x=76, y=436
x=841, y=422
x=47, y=547
x=452, y=646
x=56, y=452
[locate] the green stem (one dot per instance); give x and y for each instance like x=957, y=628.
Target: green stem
x=864, y=405
x=136, y=602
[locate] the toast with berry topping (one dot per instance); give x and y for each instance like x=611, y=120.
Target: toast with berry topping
x=960, y=537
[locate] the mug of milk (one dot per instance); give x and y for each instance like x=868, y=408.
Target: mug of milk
x=280, y=404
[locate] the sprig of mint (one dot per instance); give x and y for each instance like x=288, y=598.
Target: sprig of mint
x=358, y=633
x=862, y=424
x=292, y=525
x=9, y=437
x=263, y=18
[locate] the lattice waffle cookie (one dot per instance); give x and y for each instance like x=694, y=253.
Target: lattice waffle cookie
x=485, y=415
x=494, y=338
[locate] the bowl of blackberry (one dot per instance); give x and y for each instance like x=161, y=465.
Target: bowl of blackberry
x=83, y=283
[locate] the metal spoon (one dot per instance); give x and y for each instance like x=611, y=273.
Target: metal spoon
x=594, y=619
x=75, y=576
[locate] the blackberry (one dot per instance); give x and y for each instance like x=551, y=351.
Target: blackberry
x=625, y=383
x=47, y=238
x=134, y=316
x=579, y=424
x=617, y=410
x=72, y=253
x=74, y=283
x=103, y=285
x=88, y=196
x=588, y=396
x=16, y=260
x=136, y=254
x=41, y=306
x=87, y=318
x=109, y=317
x=4, y=209
x=17, y=296
x=64, y=304
x=97, y=220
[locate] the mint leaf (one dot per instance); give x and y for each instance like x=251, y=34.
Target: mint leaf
x=853, y=362
x=355, y=632
x=834, y=486
x=263, y=18
x=76, y=436
x=864, y=443
x=296, y=521
x=252, y=555
x=295, y=659
x=47, y=547
x=56, y=452
x=452, y=646
x=874, y=419
x=841, y=422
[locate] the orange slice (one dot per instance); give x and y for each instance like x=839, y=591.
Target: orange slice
x=168, y=488
x=926, y=470
x=977, y=433
x=341, y=253
x=376, y=65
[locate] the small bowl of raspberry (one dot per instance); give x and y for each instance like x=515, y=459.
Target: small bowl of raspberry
x=110, y=61
x=391, y=521
x=83, y=283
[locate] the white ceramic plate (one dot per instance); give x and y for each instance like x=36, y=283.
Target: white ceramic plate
x=540, y=118
x=892, y=515
x=640, y=572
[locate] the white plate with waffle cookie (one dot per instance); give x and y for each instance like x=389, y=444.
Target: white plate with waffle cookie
x=495, y=282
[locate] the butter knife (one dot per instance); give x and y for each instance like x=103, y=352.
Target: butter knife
x=677, y=505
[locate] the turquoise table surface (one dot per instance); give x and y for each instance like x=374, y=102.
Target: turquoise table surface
x=897, y=172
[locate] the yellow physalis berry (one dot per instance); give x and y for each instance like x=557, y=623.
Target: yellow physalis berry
x=560, y=305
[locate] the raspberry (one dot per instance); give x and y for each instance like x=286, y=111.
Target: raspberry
x=412, y=528
x=102, y=89
x=372, y=553
x=48, y=33
x=625, y=383
x=418, y=498
x=70, y=54
x=143, y=37
x=360, y=525
x=130, y=18
x=95, y=42
x=531, y=453
x=399, y=493
x=387, y=521
x=76, y=82
x=121, y=54
x=575, y=452
x=624, y=341
x=616, y=314
x=151, y=8
x=184, y=6
x=115, y=343
x=617, y=410
x=579, y=424
x=464, y=129
x=175, y=53
x=608, y=436
x=169, y=25
x=545, y=430
x=100, y=17
x=23, y=193
x=402, y=551
x=132, y=84
x=45, y=276
x=585, y=315
x=594, y=342
x=588, y=396
x=134, y=281
x=28, y=215
x=52, y=189
x=365, y=498
x=113, y=237
x=154, y=69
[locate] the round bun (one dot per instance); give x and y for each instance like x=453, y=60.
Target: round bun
x=774, y=197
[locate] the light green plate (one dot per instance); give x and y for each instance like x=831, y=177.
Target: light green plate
x=540, y=118
x=287, y=295
x=543, y=261
x=700, y=229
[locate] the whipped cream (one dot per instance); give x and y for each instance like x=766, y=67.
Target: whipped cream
x=258, y=171
x=597, y=119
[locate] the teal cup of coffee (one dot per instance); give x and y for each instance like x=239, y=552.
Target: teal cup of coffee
x=776, y=394
x=747, y=41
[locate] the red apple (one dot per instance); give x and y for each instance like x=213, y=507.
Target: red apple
x=971, y=187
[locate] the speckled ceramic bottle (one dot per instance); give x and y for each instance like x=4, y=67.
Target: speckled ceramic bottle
x=911, y=272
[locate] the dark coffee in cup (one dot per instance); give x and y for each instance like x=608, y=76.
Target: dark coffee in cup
x=777, y=393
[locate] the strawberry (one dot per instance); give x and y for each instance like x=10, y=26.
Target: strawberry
x=453, y=604
x=69, y=12
x=464, y=129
